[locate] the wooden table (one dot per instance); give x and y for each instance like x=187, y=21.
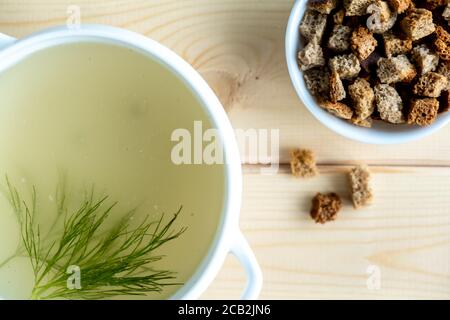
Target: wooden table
x=397, y=248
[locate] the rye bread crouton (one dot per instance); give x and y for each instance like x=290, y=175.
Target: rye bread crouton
x=337, y=90
x=313, y=25
x=322, y=6
x=311, y=56
x=347, y=65
x=394, y=46
x=303, y=163
x=339, y=40
x=365, y=123
x=389, y=104
x=337, y=109
x=423, y=112
x=361, y=192
x=418, y=23
x=444, y=69
x=382, y=18
x=444, y=102
x=399, y=6
x=425, y=59
x=395, y=69
x=362, y=42
x=325, y=207
x=316, y=81
x=356, y=7
x=442, y=43
x=363, y=98
x=430, y=85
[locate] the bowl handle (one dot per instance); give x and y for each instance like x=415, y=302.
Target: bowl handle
x=242, y=251
x=5, y=41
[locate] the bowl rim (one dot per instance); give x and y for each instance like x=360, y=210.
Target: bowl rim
x=378, y=134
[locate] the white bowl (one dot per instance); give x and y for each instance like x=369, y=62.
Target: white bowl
x=380, y=133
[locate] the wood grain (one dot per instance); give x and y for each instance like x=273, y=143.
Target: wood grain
x=238, y=47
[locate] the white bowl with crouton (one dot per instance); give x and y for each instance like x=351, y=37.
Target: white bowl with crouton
x=380, y=133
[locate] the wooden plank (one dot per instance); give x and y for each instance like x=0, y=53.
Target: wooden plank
x=238, y=46
x=405, y=234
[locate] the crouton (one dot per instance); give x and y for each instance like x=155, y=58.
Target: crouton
x=338, y=17
x=444, y=69
x=361, y=192
x=347, y=66
x=311, y=56
x=363, y=98
x=446, y=13
x=365, y=123
x=317, y=81
x=363, y=43
x=399, y=6
x=442, y=43
x=303, y=163
x=423, y=112
x=382, y=17
x=444, y=103
x=425, y=59
x=337, y=109
x=322, y=6
x=313, y=25
x=418, y=24
x=339, y=40
x=395, y=69
x=325, y=207
x=394, y=46
x=389, y=104
x=356, y=7
x=337, y=90
x=430, y=85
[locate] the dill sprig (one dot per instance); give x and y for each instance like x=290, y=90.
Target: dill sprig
x=117, y=261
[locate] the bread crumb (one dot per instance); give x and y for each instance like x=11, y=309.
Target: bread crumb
x=363, y=98
x=363, y=43
x=423, y=112
x=337, y=109
x=418, y=23
x=442, y=43
x=325, y=207
x=430, y=85
x=361, y=191
x=303, y=163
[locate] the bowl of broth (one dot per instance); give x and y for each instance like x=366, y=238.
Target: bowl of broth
x=103, y=194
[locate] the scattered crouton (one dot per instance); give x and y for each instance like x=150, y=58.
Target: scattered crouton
x=394, y=46
x=363, y=43
x=430, y=85
x=399, y=6
x=311, y=56
x=382, y=17
x=337, y=90
x=303, y=163
x=347, y=65
x=322, y=6
x=425, y=59
x=325, y=207
x=418, y=23
x=356, y=7
x=389, y=104
x=442, y=43
x=361, y=192
x=395, y=69
x=363, y=98
x=317, y=81
x=313, y=25
x=423, y=112
x=338, y=109
x=339, y=40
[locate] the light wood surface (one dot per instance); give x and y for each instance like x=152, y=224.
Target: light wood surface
x=238, y=47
